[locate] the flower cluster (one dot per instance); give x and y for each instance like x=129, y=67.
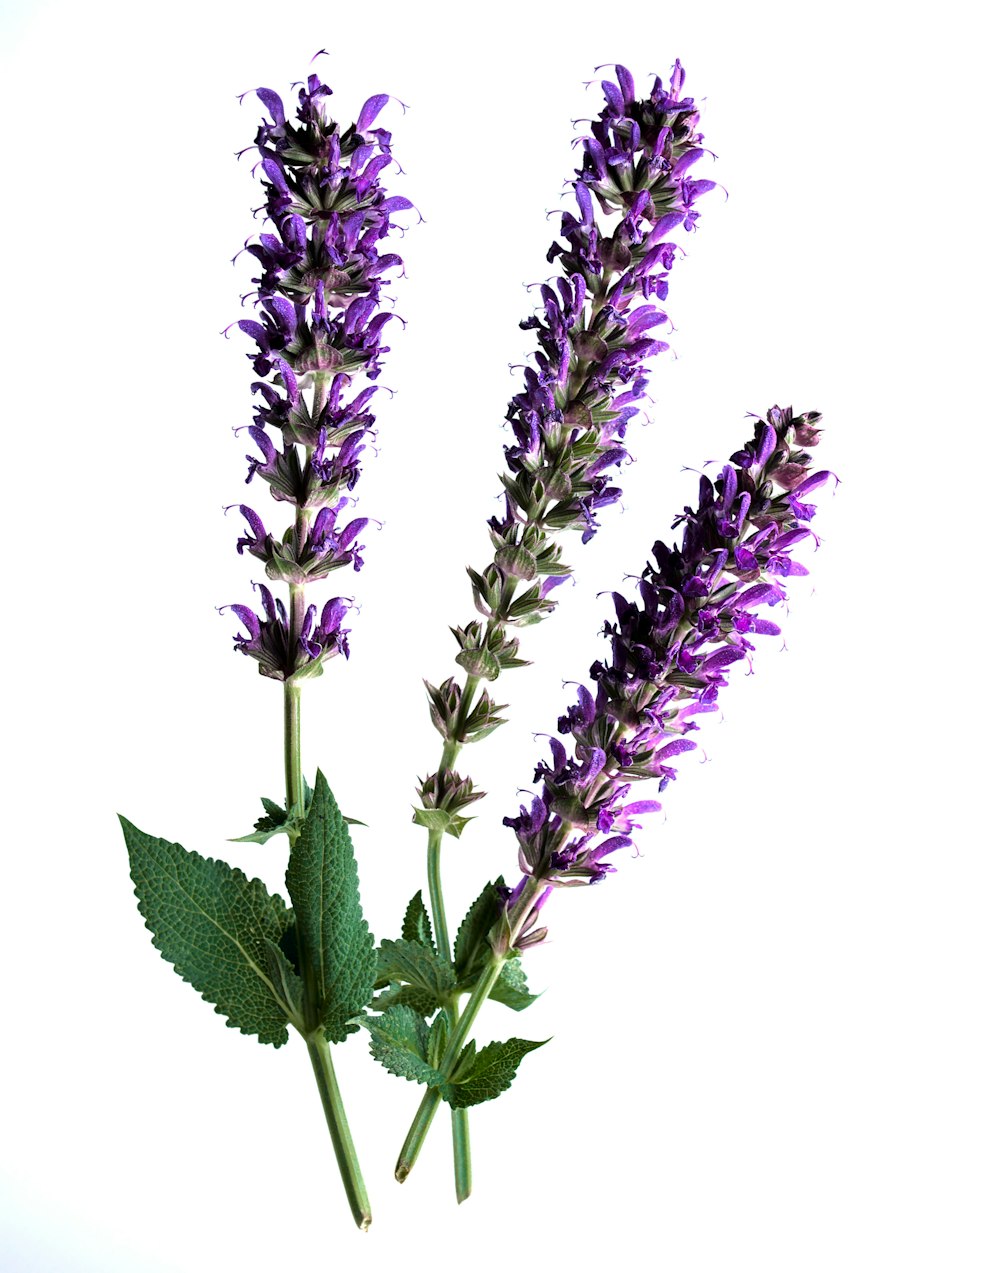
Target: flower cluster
x=318, y=326
x=671, y=652
x=569, y=421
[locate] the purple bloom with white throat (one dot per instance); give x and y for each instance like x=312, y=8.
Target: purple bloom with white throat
x=702, y=604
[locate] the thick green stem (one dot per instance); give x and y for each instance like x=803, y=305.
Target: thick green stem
x=319, y=1048
x=294, y=786
x=340, y=1132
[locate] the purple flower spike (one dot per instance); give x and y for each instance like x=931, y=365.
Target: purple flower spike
x=319, y=325
x=582, y=388
x=587, y=378
x=671, y=654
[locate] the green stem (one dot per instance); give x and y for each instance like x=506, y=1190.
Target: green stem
x=432, y=1097
x=456, y=1041
x=319, y=1048
x=461, y=1147
x=340, y=1132
x=294, y=786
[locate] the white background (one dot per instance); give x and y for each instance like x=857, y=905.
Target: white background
x=775, y=1039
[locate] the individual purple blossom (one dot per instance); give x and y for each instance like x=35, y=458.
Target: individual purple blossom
x=269, y=639
x=319, y=325
x=700, y=606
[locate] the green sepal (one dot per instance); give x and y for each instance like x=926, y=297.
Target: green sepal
x=441, y=820
x=417, y=965
x=335, y=942
x=471, y=945
x=417, y=923
x=399, y=1039
x=511, y=987
x=218, y=929
x=482, y=1076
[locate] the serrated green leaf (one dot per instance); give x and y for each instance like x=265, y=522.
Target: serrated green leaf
x=216, y=927
x=487, y=1074
x=272, y=823
x=409, y=996
x=399, y=1042
x=417, y=923
x=335, y=940
x=421, y=967
x=511, y=987
x=471, y=947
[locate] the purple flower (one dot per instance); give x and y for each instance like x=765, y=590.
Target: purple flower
x=319, y=325
x=671, y=653
x=283, y=655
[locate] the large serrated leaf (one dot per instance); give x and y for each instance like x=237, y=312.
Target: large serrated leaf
x=216, y=927
x=471, y=946
x=511, y=987
x=399, y=1042
x=488, y=1073
x=411, y=996
x=336, y=944
x=417, y=923
x=411, y=962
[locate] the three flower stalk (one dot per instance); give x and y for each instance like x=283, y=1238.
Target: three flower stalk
x=701, y=604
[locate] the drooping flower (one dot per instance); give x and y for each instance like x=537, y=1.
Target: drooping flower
x=698, y=613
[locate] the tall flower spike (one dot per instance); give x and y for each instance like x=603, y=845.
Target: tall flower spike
x=568, y=425
x=669, y=659
x=318, y=326
x=588, y=377
x=698, y=613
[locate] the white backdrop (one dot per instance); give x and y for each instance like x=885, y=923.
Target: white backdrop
x=774, y=1031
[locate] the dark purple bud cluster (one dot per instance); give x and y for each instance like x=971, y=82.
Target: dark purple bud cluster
x=588, y=378
x=318, y=326
x=672, y=652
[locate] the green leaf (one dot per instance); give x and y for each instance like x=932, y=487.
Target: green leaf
x=217, y=928
x=471, y=946
x=399, y=1042
x=409, y=996
x=441, y=820
x=411, y=962
x=275, y=820
x=437, y=1040
x=417, y=923
x=335, y=940
x=511, y=987
x=483, y=1076
x=272, y=823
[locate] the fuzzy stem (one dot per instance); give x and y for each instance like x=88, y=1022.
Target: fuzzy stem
x=294, y=786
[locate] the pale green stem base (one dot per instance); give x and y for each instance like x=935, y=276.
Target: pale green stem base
x=340, y=1132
